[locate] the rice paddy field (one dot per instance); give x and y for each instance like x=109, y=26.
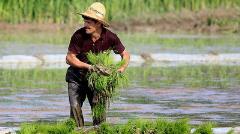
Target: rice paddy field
x=169, y=98
x=62, y=11
x=207, y=93
x=203, y=76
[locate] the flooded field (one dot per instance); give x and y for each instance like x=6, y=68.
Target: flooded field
x=167, y=89
x=200, y=93
x=136, y=43
x=201, y=105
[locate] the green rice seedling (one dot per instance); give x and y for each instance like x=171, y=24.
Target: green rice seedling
x=100, y=108
x=180, y=126
x=62, y=127
x=205, y=128
x=134, y=126
x=106, y=128
x=32, y=78
x=104, y=85
x=202, y=76
x=230, y=131
x=144, y=126
x=224, y=44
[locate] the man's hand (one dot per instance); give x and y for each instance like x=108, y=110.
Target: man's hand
x=121, y=70
x=126, y=57
x=100, y=70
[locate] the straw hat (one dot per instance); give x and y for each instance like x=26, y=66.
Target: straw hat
x=96, y=11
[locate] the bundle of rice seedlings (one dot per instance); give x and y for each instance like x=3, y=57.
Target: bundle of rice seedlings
x=60, y=127
x=104, y=86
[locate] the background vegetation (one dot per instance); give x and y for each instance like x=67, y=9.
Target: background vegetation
x=63, y=11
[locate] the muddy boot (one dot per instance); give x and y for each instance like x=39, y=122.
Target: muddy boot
x=78, y=116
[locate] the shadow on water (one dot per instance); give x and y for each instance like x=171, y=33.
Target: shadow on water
x=220, y=106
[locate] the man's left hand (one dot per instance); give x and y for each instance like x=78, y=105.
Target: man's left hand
x=121, y=70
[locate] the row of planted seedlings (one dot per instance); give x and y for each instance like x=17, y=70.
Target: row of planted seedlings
x=203, y=76
x=226, y=43
x=61, y=11
x=137, y=126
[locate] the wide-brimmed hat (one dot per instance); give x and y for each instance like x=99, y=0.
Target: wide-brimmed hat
x=96, y=11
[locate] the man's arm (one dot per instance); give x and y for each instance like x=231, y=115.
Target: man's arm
x=126, y=57
x=71, y=59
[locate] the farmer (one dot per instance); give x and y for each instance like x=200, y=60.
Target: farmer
x=95, y=37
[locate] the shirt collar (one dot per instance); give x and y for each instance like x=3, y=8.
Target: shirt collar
x=103, y=34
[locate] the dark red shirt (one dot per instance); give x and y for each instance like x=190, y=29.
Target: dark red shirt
x=81, y=43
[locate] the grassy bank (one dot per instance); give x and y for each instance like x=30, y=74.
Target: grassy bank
x=158, y=126
x=213, y=77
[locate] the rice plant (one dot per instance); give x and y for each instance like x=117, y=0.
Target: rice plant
x=143, y=126
x=61, y=127
x=104, y=86
x=36, y=78
x=205, y=128
x=63, y=11
x=204, y=76
x=135, y=126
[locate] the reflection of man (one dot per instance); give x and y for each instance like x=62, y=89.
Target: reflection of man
x=96, y=38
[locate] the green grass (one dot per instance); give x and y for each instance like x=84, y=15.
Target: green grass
x=138, y=126
x=32, y=79
x=63, y=11
x=212, y=76
x=130, y=40
x=56, y=38
x=215, y=77
x=205, y=128
x=61, y=127
x=167, y=43
x=142, y=126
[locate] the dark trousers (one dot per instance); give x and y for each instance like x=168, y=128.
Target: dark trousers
x=77, y=93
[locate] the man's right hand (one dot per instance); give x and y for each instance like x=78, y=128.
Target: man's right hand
x=99, y=69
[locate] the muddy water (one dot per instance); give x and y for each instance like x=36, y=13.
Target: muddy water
x=220, y=106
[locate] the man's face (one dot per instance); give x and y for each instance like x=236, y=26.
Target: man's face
x=90, y=26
